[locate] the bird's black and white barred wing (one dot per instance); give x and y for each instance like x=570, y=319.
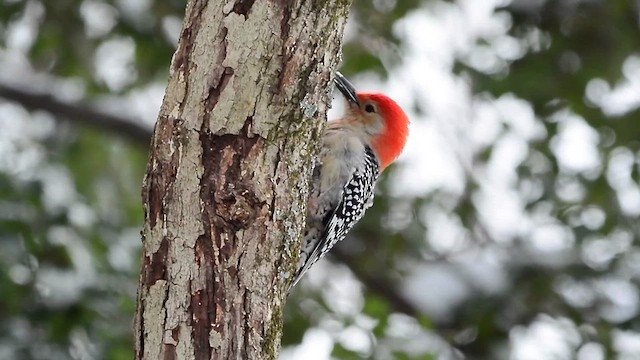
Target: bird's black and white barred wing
x=357, y=197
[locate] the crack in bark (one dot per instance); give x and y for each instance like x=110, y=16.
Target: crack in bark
x=243, y=7
x=161, y=171
x=216, y=90
x=246, y=329
x=185, y=45
x=139, y=326
x=285, y=29
x=170, y=349
x=202, y=301
x=222, y=74
x=155, y=266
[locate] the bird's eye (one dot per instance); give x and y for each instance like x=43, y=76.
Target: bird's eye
x=369, y=108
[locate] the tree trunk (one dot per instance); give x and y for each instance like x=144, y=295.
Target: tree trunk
x=226, y=183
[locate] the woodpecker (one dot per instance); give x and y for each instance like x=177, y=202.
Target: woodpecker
x=356, y=148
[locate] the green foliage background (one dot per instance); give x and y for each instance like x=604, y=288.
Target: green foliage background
x=70, y=209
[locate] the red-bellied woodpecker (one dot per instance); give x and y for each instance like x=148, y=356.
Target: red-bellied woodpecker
x=356, y=148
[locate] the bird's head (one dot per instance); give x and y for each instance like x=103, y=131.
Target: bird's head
x=383, y=121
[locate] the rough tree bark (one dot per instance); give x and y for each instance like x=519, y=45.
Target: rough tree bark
x=227, y=175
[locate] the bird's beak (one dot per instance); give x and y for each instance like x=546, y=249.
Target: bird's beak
x=346, y=88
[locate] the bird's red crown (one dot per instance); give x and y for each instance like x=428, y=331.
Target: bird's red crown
x=391, y=141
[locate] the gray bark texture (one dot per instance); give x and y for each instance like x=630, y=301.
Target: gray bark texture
x=226, y=182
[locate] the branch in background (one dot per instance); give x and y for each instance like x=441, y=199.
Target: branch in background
x=378, y=285
x=140, y=134
x=128, y=128
x=386, y=289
